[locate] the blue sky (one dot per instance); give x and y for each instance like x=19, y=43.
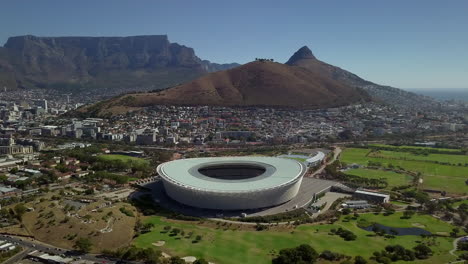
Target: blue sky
x=406, y=44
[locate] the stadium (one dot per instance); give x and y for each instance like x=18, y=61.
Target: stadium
x=232, y=183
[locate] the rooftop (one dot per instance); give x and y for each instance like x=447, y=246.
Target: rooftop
x=277, y=172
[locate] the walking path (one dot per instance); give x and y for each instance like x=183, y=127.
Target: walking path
x=455, y=242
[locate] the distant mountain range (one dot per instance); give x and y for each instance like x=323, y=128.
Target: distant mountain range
x=121, y=63
x=118, y=65
x=260, y=83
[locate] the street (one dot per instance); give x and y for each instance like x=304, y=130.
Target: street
x=30, y=246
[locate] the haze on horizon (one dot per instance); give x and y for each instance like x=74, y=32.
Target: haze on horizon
x=405, y=44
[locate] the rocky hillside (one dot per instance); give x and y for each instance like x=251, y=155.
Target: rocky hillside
x=304, y=58
x=254, y=84
x=122, y=63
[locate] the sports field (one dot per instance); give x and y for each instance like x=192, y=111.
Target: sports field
x=124, y=158
x=228, y=244
x=393, y=178
x=448, y=178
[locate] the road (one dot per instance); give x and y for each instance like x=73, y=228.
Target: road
x=16, y=258
x=29, y=246
x=336, y=153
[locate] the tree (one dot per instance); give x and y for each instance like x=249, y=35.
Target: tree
x=422, y=251
x=20, y=210
x=198, y=238
x=83, y=245
x=176, y=260
x=455, y=232
x=200, y=261
x=462, y=245
x=408, y=214
x=359, y=260
x=301, y=254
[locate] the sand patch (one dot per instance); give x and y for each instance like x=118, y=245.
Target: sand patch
x=160, y=243
x=189, y=259
x=418, y=225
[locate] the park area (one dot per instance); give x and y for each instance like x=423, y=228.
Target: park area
x=442, y=172
x=124, y=158
x=233, y=243
x=393, y=178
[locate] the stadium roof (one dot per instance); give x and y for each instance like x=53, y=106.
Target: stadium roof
x=278, y=172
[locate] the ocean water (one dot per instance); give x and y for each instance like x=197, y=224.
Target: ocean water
x=443, y=94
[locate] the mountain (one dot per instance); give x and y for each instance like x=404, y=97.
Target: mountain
x=120, y=63
x=260, y=83
x=305, y=59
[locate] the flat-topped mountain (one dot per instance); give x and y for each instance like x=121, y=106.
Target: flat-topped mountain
x=143, y=62
x=260, y=83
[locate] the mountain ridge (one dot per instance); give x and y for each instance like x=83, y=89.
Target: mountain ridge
x=146, y=62
x=259, y=83
x=390, y=95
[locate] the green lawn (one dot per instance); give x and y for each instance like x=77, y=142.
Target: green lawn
x=123, y=158
x=445, y=158
x=399, y=203
x=436, y=176
x=235, y=246
x=456, y=204
x=415, y=147
x=393, y=178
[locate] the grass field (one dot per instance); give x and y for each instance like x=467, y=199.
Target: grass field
x=436, y=176
x=415, y=147
x=393, y=178
x=456, y=204
x=227, y=244
x=123, y=158
x=445, y=158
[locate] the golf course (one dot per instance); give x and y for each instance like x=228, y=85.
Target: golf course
x=230, y=243
x=443, y=172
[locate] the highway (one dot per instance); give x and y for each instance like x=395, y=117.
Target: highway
x=30, y=246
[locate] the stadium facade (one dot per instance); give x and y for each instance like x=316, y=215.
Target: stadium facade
x=232, y=183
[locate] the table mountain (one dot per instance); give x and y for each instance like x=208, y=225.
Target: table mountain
x=73, y=63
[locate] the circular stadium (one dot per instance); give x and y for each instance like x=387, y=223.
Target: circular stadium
x=232, y=183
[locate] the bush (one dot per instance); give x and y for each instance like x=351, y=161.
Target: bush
x=126, y=212
x=422, y=251
x=200, y=261
x=359, y=260
x=301, y=254
x=83, y=245
x=346, y=234
x=329, y=255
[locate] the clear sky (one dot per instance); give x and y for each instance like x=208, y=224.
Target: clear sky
x=403, y=43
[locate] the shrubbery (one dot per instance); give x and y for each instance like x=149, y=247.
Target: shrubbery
x=394, y=253
x=126, y=211
x=301, y=254
x=345, y=234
